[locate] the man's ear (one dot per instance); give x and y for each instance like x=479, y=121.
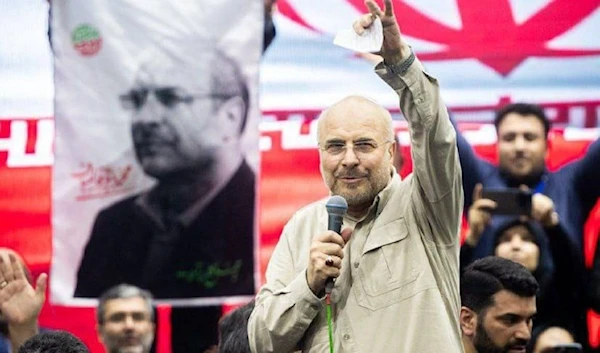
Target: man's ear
x=468, y=321
x=231, y=117
x=393, y=149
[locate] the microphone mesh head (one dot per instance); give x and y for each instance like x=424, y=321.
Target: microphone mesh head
x=337, y=205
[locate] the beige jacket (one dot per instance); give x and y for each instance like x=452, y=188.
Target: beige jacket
x=398, y=290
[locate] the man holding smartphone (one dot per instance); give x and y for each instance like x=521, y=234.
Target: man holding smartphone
x=522, y=146
x=572, y=191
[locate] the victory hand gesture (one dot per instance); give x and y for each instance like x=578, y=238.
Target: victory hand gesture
x=394, y=49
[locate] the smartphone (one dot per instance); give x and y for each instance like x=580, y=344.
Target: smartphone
x=510, y=201
x=565, y=348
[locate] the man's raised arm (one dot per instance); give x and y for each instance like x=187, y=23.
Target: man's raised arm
x=437, y=169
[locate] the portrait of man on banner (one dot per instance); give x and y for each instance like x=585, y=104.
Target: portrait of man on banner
x=192, y=233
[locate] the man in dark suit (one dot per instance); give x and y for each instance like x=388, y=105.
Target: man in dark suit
x=190, y=235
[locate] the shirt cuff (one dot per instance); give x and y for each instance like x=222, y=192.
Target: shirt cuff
x=398, y=82
x=303, y=297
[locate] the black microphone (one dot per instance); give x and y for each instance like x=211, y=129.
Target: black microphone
x=336, y=209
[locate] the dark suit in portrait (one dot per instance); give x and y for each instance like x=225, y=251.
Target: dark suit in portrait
x=207, y=256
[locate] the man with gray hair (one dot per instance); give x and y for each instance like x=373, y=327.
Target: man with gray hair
x=188, y=117
x=125, y=315
x=125, y=319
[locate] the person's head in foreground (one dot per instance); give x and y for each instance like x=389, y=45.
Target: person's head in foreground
x=233, y=330
x=53, y=342
x=498, y=306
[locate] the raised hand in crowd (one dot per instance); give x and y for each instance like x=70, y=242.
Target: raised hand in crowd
x=479, y=216
x=20, y=303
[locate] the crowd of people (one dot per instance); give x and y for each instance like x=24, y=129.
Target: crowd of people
x=402, y=280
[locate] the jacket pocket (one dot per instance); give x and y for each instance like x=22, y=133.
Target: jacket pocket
x=387, y=274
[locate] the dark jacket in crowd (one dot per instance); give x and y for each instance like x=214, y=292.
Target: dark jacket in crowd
x=562, y=283
x=574, y=189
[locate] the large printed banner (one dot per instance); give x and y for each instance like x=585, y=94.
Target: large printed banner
x=156, y=149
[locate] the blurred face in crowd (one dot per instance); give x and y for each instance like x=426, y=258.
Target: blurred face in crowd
x=127, y=326
x=550, y=338
x=522, y=145
x=505, y=326
x=176, y=119
x=356, y=150
x=517, y=244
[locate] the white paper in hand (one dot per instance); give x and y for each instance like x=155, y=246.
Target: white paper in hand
x=369, y=42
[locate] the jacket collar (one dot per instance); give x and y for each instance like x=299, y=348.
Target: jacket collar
x=388, y=225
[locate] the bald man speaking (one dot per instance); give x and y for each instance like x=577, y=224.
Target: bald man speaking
x=396, y=259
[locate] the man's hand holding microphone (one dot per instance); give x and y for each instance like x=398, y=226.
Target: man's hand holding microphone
x=327, y=249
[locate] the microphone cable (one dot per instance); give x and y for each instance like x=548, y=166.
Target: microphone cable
x=328, y=290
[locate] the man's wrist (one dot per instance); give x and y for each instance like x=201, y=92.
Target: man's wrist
x=25, y=326
x=400, y=66
x=311, y=286
x=398, y=56
x=19, y=333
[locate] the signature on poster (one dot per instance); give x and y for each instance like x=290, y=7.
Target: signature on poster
x=101, y=181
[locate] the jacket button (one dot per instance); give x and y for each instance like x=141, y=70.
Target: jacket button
x=356, y=264
x=346, y=336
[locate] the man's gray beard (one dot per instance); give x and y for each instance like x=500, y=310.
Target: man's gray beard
x=143, y=347
x=354, y=199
